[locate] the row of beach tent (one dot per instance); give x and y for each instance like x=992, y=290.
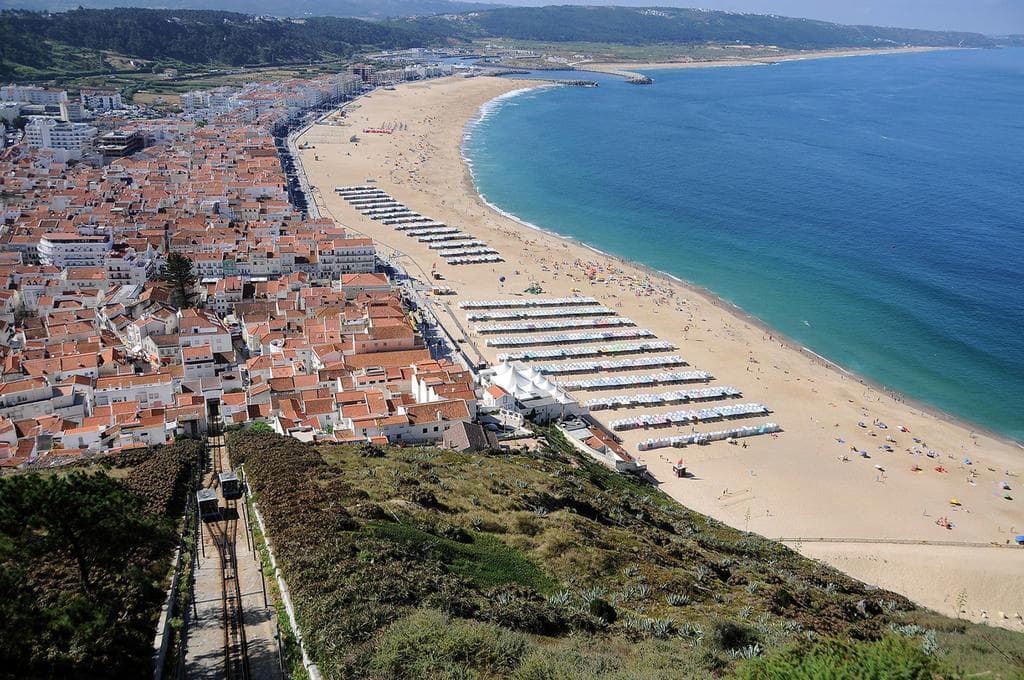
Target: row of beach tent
x=677, y=397
x=563, y=338
x=446, y=240
x=706, y=437
x=433, y=231
x=465, y=242
x=588, y=351
x=555, y=325
x=614, y=381
x=611, y=365
x=677, y=418
x=507, y=315
x=425, y=224
x=527, y=302
x=475, y=250
x=476, y=259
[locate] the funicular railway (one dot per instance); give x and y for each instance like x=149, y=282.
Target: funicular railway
x=220, y=510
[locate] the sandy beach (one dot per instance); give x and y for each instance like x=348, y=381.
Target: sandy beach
x=808, y=482
x=631, y=68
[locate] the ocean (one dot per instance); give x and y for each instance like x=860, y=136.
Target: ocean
x=869, y=208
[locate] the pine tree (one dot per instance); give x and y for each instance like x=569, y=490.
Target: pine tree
x=178, y=272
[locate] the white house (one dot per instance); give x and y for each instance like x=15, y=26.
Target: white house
x=150, y=389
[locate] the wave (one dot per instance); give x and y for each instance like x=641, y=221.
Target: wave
x=488, y=108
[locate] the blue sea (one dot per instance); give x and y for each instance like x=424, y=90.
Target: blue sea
x=870, y=208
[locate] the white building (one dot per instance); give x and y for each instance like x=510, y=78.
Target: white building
x=195, y=100
x=196, y=328
x=529, y=391
x=74, y=250
x=35, y=397
x=101, y=100
x=151, y=389
x=33, y=95
x=72, y=139
x=345, y=256
x=131, y=268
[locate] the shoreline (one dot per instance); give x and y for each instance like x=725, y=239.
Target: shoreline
x=627, y=69
x=773, y=486
x=887, y=390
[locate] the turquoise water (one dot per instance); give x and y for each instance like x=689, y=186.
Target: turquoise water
x=870, y=208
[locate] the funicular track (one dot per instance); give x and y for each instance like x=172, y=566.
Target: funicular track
x=224, y=534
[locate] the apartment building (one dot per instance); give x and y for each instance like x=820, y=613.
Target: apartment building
x=72, y=140
x=74, y=250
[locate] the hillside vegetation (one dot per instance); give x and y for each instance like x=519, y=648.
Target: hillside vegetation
x=278, y=8
x=425, y=563
x=85, y=40
x=639, y=26
x=84, y=559
x=28, y=39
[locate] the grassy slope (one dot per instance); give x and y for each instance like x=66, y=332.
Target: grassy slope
x=429, y=563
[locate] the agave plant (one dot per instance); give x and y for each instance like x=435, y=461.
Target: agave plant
x=662, y=628
x=638, y=627
x=930, y=643
x=504, y=599
x=561, y=599
x=692, y=632
x=678, y=599
x=748, y=652
x=908, y=630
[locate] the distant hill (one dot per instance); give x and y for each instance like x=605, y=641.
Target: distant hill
x=82, y=40
x=30, y=39
x=635, y=26
x=279, y=8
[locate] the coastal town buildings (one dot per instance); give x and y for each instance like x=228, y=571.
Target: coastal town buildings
x=289, y=321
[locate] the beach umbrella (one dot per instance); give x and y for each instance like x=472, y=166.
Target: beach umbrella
x=1019, y=539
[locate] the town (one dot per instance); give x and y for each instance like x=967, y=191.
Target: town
x=168, y=272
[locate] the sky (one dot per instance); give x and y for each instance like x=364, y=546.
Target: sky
x=993, y=17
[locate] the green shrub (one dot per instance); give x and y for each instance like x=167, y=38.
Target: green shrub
x=729, y=635
x=428, y=644
x=891, y=658
x=520, y=608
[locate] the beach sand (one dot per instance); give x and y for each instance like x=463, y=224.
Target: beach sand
x=630, y=68
x=793, y=485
